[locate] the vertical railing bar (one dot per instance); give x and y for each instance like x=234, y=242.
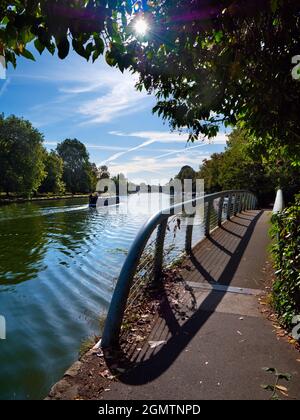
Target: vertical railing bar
x=240, y=203
x=229, y=203
x=235, y=204
x=159, y=252
x=207, y=222
x=220, y=213
x=247, y=202
x=189, y=236
x=243, y=203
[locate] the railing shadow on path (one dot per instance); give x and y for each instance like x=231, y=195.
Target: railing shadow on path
x=155, y=362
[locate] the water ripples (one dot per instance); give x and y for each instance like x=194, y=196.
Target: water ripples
x=58, y=267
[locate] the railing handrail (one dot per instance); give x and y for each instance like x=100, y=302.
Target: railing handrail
x=119, y=300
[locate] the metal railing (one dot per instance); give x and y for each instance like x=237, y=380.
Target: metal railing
x=160, y=242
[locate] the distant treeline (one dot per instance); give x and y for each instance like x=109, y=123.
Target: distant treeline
x=245, y=166
x=27, y=168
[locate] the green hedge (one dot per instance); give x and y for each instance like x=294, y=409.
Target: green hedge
x=286, y=253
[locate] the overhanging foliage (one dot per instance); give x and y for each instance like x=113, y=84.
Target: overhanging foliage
x=209, y=62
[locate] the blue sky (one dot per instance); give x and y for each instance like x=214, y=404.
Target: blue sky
x=99, y=106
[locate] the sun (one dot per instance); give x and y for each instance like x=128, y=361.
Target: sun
x=141, y=27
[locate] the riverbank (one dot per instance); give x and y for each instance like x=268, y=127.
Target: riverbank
x=21, y=200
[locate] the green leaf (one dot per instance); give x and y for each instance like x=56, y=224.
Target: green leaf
x=110, y=59
x=27, y=54
x=99, y=43
x=39, y=46
x=63, y=47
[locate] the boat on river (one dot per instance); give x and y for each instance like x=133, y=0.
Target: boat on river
x=103, y=201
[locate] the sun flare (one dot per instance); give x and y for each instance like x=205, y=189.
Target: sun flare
x=141, y=27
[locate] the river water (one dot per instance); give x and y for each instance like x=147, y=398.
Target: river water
x=59, y=261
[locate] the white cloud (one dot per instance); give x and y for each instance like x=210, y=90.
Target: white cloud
x=121, y=99
x=92, y=146
x=5, y=86
x=93, y=93
x=144, y=165
x=165, y=138
x=170, y=137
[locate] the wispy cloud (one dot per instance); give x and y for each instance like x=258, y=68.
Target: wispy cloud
x=121, y=99
x=5, y=86
x=165, y=138
x=95, y=93
x=144, y=165
x=170, y=137
x=92, y=146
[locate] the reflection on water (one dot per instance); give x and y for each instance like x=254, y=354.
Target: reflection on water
x=58, y=265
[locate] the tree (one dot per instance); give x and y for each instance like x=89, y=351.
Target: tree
x=22, y=168
x=209, y=62
x=121, y=183
x=78, y=174
x=239, y=167
x=54, y=167
x=93, y=175
x=103, y=172
x=186, y=172
x=210, y=172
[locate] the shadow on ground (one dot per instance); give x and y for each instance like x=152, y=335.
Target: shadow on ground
x=155, y=362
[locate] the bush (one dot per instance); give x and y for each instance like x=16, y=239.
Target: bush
x=286, y=253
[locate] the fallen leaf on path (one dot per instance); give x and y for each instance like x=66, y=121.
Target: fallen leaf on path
x=155, y=344
x=284, y=393
x=282, y=388
x=107, y=375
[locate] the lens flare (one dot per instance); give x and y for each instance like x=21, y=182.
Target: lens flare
x=141, y=27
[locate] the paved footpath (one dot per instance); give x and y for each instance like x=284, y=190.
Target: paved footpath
x=220, y=350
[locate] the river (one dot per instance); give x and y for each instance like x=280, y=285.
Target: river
x=59, y=261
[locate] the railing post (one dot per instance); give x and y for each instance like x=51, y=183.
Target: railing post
x=240, y=203
x=251, y=202
x=254, y=202
x=235, y=209
x=247, y=202
x=159, y=252
x=220, y=213
x=243, y=202
x=189, y=236
x=229, y=203
x=207, y=222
